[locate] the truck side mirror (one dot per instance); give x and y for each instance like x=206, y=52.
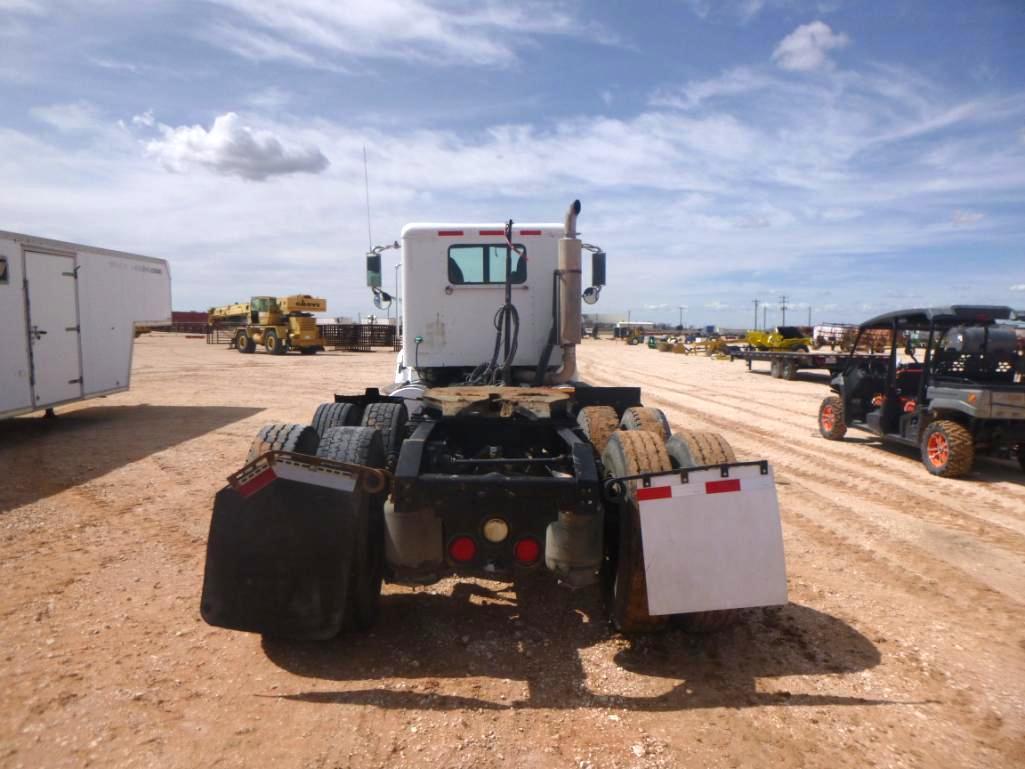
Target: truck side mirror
x=374, y=270
x=598, y=268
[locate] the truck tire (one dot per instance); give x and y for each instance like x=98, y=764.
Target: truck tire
x=645, y=418
x=788, y=369
x=629, y=452
x=633, y=341
x=948, y=449
x=832, y=426
x=244, y=343
x=301, y=439
x=273, y=344
x=691, y=448
x=598, y=423
x=330, y=415
x=361, y=446
x=390, y=419
x=774, y=368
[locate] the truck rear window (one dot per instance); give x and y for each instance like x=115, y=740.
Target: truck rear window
x=483, y=264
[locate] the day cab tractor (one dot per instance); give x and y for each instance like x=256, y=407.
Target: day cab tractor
x=277, y=324
x=966, y=396
x=789, y=338
x=487, y=457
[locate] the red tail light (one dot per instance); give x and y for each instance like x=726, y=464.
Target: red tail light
x=527, y=551
x=462, y=549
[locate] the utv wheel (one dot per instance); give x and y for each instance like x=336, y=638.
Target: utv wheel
x=598, y=423
x=629, y=452
x=390, y=419
x=948, y=449
x=244, y=343
x=361, y=446
x=301, y=439
x=330, y=415
x=691, y=448
x=831, y=419
x=648, y=419
x=274, y=345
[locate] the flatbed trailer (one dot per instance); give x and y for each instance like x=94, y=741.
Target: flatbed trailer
x=785, y=365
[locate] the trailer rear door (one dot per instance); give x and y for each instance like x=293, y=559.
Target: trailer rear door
x=53, y=328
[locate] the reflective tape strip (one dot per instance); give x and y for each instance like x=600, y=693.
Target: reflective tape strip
x=721, y=487
x=319, y=476
x=654, y=492
x=530, y=232
x=257, y=482
x=493, y=232
x=450, y=233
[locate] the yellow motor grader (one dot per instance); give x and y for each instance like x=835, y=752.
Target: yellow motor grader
x=279, y=324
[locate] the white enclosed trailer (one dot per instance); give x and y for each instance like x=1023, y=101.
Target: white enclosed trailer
x=68, y=315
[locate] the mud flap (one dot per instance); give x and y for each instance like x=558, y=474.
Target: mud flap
x=279, y=555
x=712, y=539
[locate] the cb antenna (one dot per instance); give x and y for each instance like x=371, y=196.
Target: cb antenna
x=366, y=187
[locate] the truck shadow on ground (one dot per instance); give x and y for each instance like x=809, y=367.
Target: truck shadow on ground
x=42, y=457
x=559, y=644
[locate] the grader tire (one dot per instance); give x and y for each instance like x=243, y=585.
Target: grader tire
x=630, y=452
x=948, y=449
x=390, y=419
x=330, y=415
x=273, y=344
x=831, y=419
x=244, y=343
x=598, y=423
x=648, y=419
x=301, y=439
x=361, y=446
x=691, y=448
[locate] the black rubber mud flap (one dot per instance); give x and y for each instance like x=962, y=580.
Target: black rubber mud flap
x=278, y=561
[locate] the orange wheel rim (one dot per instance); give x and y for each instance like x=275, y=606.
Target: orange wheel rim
x=939, y=449
x=828, y=418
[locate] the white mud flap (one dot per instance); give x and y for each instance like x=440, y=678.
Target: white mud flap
x=713, y=541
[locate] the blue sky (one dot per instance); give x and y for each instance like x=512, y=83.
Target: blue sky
x=856, y=156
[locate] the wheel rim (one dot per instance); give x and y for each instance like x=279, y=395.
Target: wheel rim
x=938, y=449
x=828, y=418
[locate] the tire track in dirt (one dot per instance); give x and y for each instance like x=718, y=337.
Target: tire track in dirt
x=871, y=479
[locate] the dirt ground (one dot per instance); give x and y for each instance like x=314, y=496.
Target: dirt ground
x=903, y=644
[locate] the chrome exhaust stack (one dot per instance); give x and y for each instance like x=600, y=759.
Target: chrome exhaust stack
x=569, y=328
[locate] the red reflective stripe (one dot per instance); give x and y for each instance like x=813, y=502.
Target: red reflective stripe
x=253, y=485
x=450, y=233
x=530, y=232
x=654, y=492
x=492, y=232
x=719, y=487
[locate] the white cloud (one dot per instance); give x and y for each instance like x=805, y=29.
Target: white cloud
x=233, y=149
x=807, y=48
x=965, y=218
x=318, y=32
x=146, y=119
x=73, y=118
x=1018, y=287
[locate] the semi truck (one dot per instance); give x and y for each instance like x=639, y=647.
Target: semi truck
x=276, y=324
x=487, y=456
x=69, y=314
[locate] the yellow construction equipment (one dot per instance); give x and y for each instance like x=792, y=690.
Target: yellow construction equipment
x=279, y=324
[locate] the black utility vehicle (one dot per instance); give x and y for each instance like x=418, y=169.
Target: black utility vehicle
x=966, y=396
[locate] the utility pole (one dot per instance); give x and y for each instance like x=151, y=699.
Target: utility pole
x=783, y=308
x=756, y=314
x=765, y=310
x=680, y=307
